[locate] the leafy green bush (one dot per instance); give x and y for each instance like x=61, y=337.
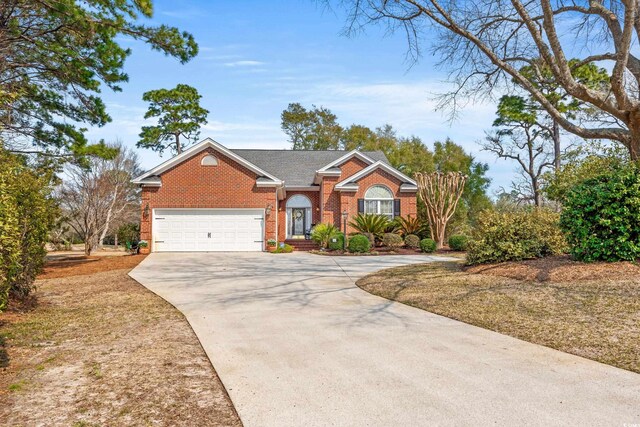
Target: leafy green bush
x=359, y=243
x=283, y=249
x=427, y=245
x=370, y=223
x=323, y=233
x=513, y=236
x=601, y=217
x=392, y=240
x=339, y=242
x=27, y=214
x=412, y=241
x=458, y=242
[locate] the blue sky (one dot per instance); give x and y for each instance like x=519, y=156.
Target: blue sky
x=257, y=56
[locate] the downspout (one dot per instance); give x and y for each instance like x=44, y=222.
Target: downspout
x=277, y=215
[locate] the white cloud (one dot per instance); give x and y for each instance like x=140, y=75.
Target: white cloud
x=243, y=63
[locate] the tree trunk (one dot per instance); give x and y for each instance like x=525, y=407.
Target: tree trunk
x=87, y=247
x=115, y=240
x=537, y=199
x=178, y=146
x=556, y=145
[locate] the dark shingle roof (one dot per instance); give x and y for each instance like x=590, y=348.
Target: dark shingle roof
x=298, y=167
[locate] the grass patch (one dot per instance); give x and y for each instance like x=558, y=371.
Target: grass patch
x=596, y=319
x=95, y=351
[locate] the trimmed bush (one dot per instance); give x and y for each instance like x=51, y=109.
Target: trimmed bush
x=283, y=249
x=514, y=236
x=392, y=240
x=412, y=241
x=458, y=242
x=601, y=217
x=427, y=245
x=359, y=243
x=338, y=244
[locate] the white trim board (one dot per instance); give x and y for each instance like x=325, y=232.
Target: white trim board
x=195, y=149
x=348, y=185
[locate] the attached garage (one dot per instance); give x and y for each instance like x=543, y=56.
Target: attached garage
x=208, y=230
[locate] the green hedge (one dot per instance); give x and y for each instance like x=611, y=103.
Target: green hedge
x=601, y=217
x=412, y=241
x=428, y=245
x=392, y=240
x=338, y=244
x=27, y=214
x=359, y=243
x=514, y=236
x=458, y=242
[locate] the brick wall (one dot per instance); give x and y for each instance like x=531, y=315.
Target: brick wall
x=190, y=185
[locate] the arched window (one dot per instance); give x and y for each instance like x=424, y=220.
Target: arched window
x=209, y=160
x=298, y=201
x=379, y=200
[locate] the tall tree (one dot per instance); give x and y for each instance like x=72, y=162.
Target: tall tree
x=486, y=44
x=520, y=138
x=313, y=129
x=55, y=58
x=179, y=115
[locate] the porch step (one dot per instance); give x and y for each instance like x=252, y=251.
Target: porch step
x=302, y=244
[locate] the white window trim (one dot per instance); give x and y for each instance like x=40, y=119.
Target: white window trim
x=378, y=201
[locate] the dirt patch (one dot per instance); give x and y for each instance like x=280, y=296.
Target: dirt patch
x=100, y=349
x=83, y=265
x=597, y=319
x=559, y=269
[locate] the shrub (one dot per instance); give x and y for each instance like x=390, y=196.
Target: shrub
x=392, y=240
x=427, y=245
x=412, y=241
x=272, y=243
x=409, y=225
x=513, y=236
x=283, y=249
x=359, y=243
x=339, y=242
x=370, y=223
x=458, y=242
x=601, y=217
x=27, y=214
x=322, y=234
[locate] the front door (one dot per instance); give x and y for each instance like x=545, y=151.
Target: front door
x=297, y=221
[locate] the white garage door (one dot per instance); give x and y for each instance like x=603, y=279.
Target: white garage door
x=207, y=230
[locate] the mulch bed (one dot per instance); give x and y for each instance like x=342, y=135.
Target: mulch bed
x=83, y=265
x=382, y=251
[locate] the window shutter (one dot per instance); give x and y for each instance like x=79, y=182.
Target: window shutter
x=396, y=207
x=360, y=205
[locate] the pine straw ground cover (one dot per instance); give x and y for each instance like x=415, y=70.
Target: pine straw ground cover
x=100, y=349
x=591, y=310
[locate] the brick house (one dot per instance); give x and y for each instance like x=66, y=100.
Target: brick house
x=211, y=198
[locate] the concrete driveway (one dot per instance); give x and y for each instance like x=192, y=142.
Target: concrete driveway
x=296, y=343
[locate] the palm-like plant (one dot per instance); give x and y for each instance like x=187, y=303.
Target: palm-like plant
x=323, y=233
x=370, y=224
x=410, y=225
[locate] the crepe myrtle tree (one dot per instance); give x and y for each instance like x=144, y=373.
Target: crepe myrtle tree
x=487, y=44
x=56, y=57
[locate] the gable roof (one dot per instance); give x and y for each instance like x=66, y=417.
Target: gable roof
x=195, y=149
x=350, y=183
x=297, y=168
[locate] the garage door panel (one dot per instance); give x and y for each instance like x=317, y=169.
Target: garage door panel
x=207, y=230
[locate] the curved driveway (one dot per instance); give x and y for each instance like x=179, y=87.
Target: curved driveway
x=296, y=343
